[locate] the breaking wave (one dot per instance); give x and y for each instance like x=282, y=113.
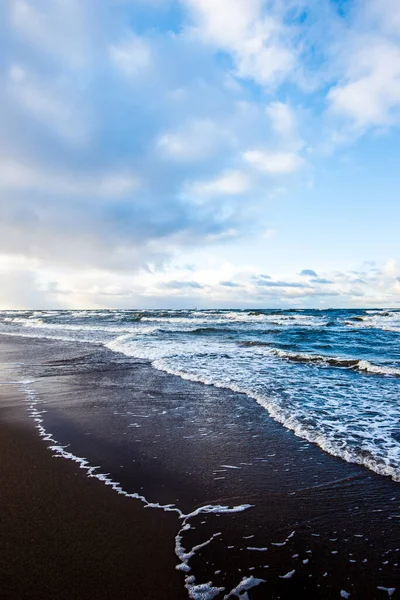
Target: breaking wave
x=345, y=363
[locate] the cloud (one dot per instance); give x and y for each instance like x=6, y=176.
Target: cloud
x=391, y=268
x=365, y=92
x=93, y=164
x=371, y=94
x=57, y=28
x=24, y=288
x=258, y=42
x=49, y=102
x=275, y=163
x=180, y=285
x=132, y=57
x=282, y=118
x=169, y=287
x=230, y=284
x=113, y=136
x=17, y=176
x=308, y=273
x=134, y=133
x=196, y=140
x=282, y=284
x=321, y=280
x=227, y=183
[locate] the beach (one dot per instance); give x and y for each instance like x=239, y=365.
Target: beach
x=189, y=476
x=64, y=535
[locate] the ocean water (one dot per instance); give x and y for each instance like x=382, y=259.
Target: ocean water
x=331, y=376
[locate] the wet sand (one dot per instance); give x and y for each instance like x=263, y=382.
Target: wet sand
x=63, y=535
x=334, y=524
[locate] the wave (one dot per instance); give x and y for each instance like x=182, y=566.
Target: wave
x=279, y=319
x=180, y=356
x=346, y=363
x=37, y=323
x=301, y=426
x=205, y=330
x=250, y=344
x=331, y=445
x=357, y=318
x=385, y=321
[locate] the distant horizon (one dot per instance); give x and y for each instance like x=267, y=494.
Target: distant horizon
x=226, y=308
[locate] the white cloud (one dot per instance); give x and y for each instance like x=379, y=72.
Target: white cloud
x=51, y=103
x=259, y=44
x=385, y=14
x=21, y=286
x=195, y=140
x=15, y=175
x=59, y=28
x=226, y=23
x=273, y=162
x=282, y=117
x=364, y=64
x=370, y=93
x=391, y=268
x=228, y=183
x=132, y=57
x=212, y=283
x=190, y=127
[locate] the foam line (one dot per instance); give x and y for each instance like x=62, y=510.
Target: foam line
x=331, y=446
x=203, y=591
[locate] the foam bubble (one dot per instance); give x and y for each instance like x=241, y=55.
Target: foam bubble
x=390, y=591
x=288, y=575
x=241, y=589
x=203, y=591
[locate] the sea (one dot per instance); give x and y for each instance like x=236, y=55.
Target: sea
x=331, y=376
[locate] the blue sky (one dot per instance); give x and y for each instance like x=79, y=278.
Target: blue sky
x=165, y=153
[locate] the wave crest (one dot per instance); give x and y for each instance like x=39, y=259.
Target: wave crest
x=345, y=363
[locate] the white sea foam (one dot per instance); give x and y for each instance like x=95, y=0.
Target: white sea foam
x=285, y=320
x=390, y=591
x=385, y=320
x=349, y=363
x=14, y=382
x=365, y=365
x=133, y=329
x=202, y=591
x=288, y=575
x=240, y=591
x=330, y=444
x=46, y=335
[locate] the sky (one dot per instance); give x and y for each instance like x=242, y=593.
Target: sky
x=199, y=153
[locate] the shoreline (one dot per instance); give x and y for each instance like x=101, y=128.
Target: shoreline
x=65, y=535
x=279, y=487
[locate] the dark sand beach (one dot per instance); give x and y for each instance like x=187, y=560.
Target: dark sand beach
x=64, y=535
x=314, y=525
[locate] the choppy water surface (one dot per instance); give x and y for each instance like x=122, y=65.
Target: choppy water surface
x=331, y=376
